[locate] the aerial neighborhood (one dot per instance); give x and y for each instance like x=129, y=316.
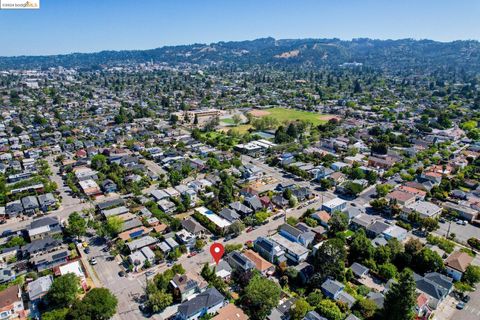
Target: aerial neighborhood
x=337, y=193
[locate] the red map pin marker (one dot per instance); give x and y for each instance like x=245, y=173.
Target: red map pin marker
x=217, y=250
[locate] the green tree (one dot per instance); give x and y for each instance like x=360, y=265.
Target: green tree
x=174, y=177
x=299, y=309
x=330, y=310
x=361, y=247
x=427, y=260
x=472, y=275
x=338, y=222
x=383, y=189
x=159, y=300
x=64, y=291
x=429, y=224
x=98, y=304
x=236, y=227
x=400, y=300
x=113, y=226
x=261, y=296
x=237, y=119
x=15, y=241
x=329, y=260
x=387, y=271
x=58, y=314
x=366, y=308
x=77, y=226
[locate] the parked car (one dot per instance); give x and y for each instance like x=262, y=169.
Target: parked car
x=87, y=250
x=460, y=305
x=250, y=229
x=121, y=274
x=93, y=261
x=466, y=299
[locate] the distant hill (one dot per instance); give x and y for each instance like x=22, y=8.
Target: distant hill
x=390, y=55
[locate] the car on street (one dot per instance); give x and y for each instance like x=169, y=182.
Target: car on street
x=466, y=299
x=460, y=305
x=192, y=254
x=149, y=273
x=93, y=261
x=121, y=274
x=87, y=250
x=250, y=229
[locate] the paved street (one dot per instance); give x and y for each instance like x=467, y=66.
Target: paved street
x=129, y=288
x=68, y=205
x=448, y=310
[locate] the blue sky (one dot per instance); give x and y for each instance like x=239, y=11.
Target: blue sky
x=65, y=26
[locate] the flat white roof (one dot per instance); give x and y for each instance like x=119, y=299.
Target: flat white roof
x=334, y=203
x=74, y=268
x=219, y=221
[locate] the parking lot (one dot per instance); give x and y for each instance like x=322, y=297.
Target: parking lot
x=462, y=233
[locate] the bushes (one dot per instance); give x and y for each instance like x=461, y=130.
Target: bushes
x=444, y=244
x=474, y=243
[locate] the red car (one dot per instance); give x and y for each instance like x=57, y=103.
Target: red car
x=250, y=229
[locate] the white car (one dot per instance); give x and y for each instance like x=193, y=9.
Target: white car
x=93, y=261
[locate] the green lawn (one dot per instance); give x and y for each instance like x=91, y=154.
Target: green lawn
x=227, y=121
x=282, y=115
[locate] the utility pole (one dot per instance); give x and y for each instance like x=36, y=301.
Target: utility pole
x=449, y=224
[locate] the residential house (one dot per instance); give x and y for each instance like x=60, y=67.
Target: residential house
x=464, y=211
x=186, y=238
x=141, y=242
x=30, y=204
x=186, y=285
x=294, y=252
x=457, y=263
x=241, y=209
x=108, y=186
x=194, y=227
x=220, y=223
x=401, y=197
x=436, y=286
x=47, y=202
x=43, y=227
x=313, y=315
x=230, y=312
x=296, y=235
x=262, y=265
x=254, y=203
x=229, y=214
x=38, y=288
x=305, y=272
x=11, y=304
x=425, y=209
x=207, y=302
x=335, y=204
x=7, y=274
x=359, y=270
x=50, y=259
x=223, y=270
x=268, y=249
x=238, y=261
x=13, y=208
x=335, y=290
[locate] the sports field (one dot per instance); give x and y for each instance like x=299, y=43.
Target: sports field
x=283, y=114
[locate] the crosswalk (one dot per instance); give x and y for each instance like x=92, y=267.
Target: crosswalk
x=472, y=310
